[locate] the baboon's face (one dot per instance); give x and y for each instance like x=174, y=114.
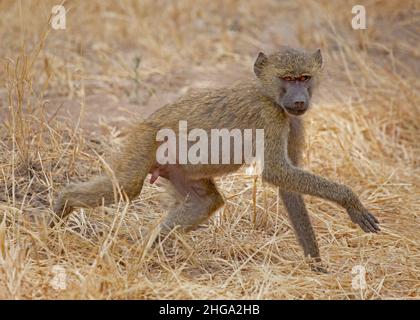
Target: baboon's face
x=294, y=94
x=288, y=77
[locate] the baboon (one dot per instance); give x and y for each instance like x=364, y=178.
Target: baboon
x=273, y=100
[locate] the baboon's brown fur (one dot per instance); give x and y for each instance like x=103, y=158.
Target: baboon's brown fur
x=281, y=90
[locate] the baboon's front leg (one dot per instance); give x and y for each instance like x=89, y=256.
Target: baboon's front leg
x=296, y=180
x=200, y=199
x=279, y=171
x=293, y=202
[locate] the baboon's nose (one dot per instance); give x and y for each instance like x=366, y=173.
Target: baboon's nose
x=300, y=105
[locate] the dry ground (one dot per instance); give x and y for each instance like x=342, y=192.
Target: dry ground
x=66, y=96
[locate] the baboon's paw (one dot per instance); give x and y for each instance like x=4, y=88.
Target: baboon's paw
x=365, y=220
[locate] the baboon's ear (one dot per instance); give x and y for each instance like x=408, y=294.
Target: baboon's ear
x=317, y=56
x=259, y=63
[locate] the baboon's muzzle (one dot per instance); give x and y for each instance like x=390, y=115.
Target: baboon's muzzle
x=296, y=100
x=298, y=109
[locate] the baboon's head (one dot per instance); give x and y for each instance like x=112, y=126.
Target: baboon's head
x=288, y=77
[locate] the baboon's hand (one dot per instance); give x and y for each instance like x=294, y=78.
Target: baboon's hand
x=364, y=219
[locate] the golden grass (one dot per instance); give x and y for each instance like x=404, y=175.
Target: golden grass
x=65, y=96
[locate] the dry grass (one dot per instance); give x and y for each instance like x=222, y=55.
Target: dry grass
x=66, y=95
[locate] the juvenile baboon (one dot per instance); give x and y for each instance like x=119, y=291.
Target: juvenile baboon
x=273, y=101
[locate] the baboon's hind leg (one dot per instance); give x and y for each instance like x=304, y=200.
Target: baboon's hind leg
x=129, y=168
x=86, y=194
x=200, y=199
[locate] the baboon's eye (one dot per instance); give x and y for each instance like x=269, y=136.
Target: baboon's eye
x=304, y=78
x=287, y=78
